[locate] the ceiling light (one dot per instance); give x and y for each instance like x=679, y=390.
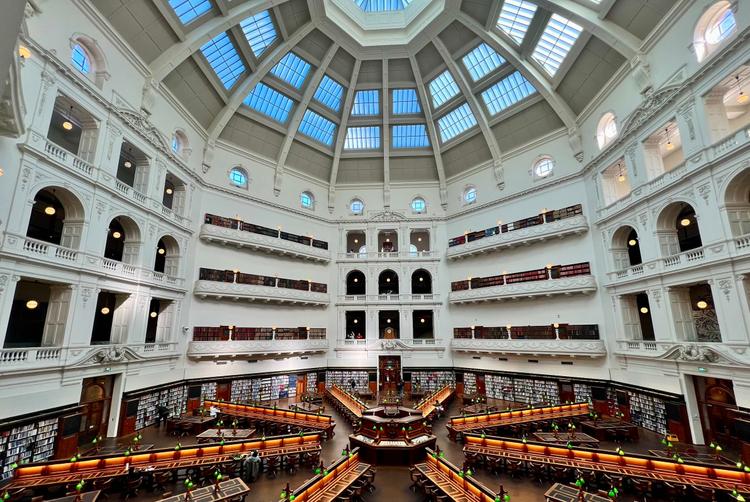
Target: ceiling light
x=422, y=320
x=356, y=321
x=685, y=222
x=104, y=310
x=549, y=266
x=669, y=145
x=50, y=210
x=556, y=325
x=153, y=315
x=742, y=98
x=388, y=279
x=67, y=125
x=421, y=279
x=644, y=310
x=387, y=240
x=128, y=164
x=116, y=235
x=419, y=239
x=632, y=242
x=24, y=52
x=621, y=177
x=356, y=241
x=32, y=304
x=509, y=326
x=169, y=191
x=702, y=304
x=388, y=321
x=356, y=280
x=162, y=251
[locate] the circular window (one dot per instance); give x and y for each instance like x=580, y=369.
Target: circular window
x=357, y=206
x=307, y=200
x=418, y=205
x=470, y=195
x=544, y=167
x=238, y=177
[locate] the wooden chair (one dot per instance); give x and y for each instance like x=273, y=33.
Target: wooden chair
x=162, y=479
x=560, y=474
x=674, y=492
x=369, y=478
x=131, y=487
x=703, y=494
x=514, y=468
x=537, y=472
x=642, y=489
x=272, y=467
x=104, y=486
x=417, y=479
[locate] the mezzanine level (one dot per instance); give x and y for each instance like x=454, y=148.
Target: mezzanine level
x=390, y=299
x=234, y=285
x=548, y=340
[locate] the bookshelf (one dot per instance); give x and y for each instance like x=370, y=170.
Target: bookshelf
x=312, y=383
x=536, y=391
x=221, y=221
x=343, y=377
x=648, y=412
x=432, y=381
x=499, y=387
x=174, y=398
x=263, y=389
x=208, y=391
x=470, y=384
x=31, y=442
x=582, y=392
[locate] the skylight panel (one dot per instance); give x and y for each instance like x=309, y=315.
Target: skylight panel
x=410, y=136
x=362, y=138
x=507, y=92
x=557, y=40
x=481, y=61
x=366, y=103
x=329, y=93
x=292, y=69
x=515, y=18
x=443, y=88
x=269, y=102
x=318, y=128
x=259, y=32
x=382, y=5
x=222, y=55
x=189, y=10
x=405, y=102
x=455, y=122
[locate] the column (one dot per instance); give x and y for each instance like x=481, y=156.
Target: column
x=82, y=316
x=8, y=283
x=407, y=328
x=694, y=417
x=729, y=311
x=653, y=163
x=660, y=318
x=139, y=318
x=691, y=130
x=682, y=314
x=630, y=329
x=166, y=322
x=715, y=116
x=141, y=181
x=45, y=104
x=122, y=317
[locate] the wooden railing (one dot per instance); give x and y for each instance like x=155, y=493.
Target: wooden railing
x=278, y=415
x=237, y=333
x=330, y=482
x=427, y=404
x=541, y=274
x=221, y=221
x=455, y=483
x=353, y=405
x=209, y=274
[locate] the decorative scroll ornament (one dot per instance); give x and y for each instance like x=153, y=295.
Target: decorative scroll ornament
x=696, y=353
x=654, y=102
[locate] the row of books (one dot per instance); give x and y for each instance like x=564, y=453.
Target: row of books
x=543, y=332
x=432, y=380
x=541, y=274
x=263, y=389
x=225, y=333
x=174, y=398
x=31, y=442
x=539, y=219
x=343, y=379
x=221, y=221
x=208, y=274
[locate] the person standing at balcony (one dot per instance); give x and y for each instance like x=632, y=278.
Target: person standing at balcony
x=162, y=414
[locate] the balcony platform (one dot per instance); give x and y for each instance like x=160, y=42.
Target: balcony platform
x=566, y=348
x=582, y=284
x=264, y=294
x=257, y=242
x=255, y=349
x=401, y=299
x=391, y=345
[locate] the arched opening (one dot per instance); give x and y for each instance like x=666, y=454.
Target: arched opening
x=388, y=283
x=73, y=129
x=715, y=26
x=615, y=182
x=133, y=167
x=87, y=57
x=355, y=241
x=388, y=241
x=355, y=325
x=737, y=203
x=355, y=283
x=56, y=217
x=123, y=240
x=626, y=248
x=421, y=282
x=677, y=229
x=422, y=324
x=419, y=241
x=606, y=130
x=174, y=194
x=388, y=324
x=167, y=256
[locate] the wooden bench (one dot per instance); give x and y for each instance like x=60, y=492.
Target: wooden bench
x=470, y=423
x=630, y=465
x=447, y=478
x=328, y=485
x=59, y=472
x=300, y=419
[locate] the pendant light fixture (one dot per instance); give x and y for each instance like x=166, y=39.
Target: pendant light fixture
x=644, y=310
x=128, y=164
x=68, y=124
x=50, y=210
x=116, y=234
x=685, y=222
x=742, y=98
x=632, y=242
x=702, y=304
x=104, y=310
x=669, y=145
x=32, y=304
x=161, y=251
x=621, y=176
x=153, y=315
x=169, y=191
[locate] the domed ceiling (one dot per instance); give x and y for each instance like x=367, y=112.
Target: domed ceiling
x=384, y=91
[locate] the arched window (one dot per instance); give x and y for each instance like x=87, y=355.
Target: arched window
x=356, y=206
x=238, y=177
x=606, y=131
x=307, y=200
x=413, y=251
x=418, y=205
x=81, y=59
x=715, y=26
x=543, y=167
x=179, y=142
x=470, y=195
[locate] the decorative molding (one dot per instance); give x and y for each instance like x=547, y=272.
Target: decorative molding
x=722, y=354
x=12, y=105
x=583, y=284
x=252, y=293
x=254, y=349
x=250, y=240
x=570, y=348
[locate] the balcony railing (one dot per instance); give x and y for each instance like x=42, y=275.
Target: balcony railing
x=36, y=358
x=416, y=344
x=236, y=285
x=391, y=298
x=237, y=333
x=389, y=255
x=545, y=332
x=685, y=351
x=536, y=347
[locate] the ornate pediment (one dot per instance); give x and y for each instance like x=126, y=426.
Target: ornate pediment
x=653, y=103
x=143, y=125
x=112, y=354
x=387, y=216
x=694, y=353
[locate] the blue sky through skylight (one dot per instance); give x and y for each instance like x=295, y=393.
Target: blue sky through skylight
x=455, y=122
x=557, y=40
x=318, y=128
x=269, y=102
x=292, y=69
x=329, y=93
x=515, y=18
x=481, y=61
x=405, y=102
x=362, y=138
x=443, y=88
x=382, y=5
x=189, y=10
x=507, y=92
x=224, y=59
x=259, y=32
x=410, y=136
x=366, y=102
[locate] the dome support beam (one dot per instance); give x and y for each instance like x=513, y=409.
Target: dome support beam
x=194, y=40
x=431, y=131
x=243, y=89
x=299, y=112
x=341, y=133
x=530, y=73
x=476, y=109
x=385, y=135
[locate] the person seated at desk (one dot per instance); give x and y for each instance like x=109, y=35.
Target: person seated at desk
x=213, y=411
x=250, y=467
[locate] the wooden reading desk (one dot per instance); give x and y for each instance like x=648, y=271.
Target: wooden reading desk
x=566, y=493
x=227, y=434
x=92, y=496
x=327, y=486
x=630, y=465
x=59, y=472
x=578, y=438
x=446, y=477
x=502, y=418
x=474, y=409
x=599, y=428
x=196, y=423
x=267, y=414
x=308, y=407
x=227, y=490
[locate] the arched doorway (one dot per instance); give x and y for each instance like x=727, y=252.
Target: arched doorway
x=167, y=256
x=421, y=282
x=123, y=240
x=56, y=217
x=388, y=283
x=626, y=248
x=355, y=283
x=677, y=229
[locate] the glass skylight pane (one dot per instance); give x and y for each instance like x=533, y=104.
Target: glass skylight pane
x=443, y=88
x=292, y=69
x=382, y=5
x=188, y=10
x=515, y=18
x=482, y=61
x=410, y=136
x=318, y=128
x=557, y=40
x=405, y=102
x=366, y=103
x=362, y=138
x=507, y=92
x=455, y=122
x=224, y=59
x=269, y=102
x=329, y=93
x=259, y=32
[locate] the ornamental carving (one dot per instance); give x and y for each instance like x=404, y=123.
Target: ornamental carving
x=589, y=348
x=653, y=103
x=697, y=353
x=109, y=355
x=388, y=216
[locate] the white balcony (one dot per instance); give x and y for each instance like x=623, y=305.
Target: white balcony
x=580, y=284
x=252, y=349
x=393, y=256
x=400, y=299
x=567, y=348
x=250, y=240
x=254, y=293
x=48, y=358
x=555, y=230
x=700, y=353
x=391, y=344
